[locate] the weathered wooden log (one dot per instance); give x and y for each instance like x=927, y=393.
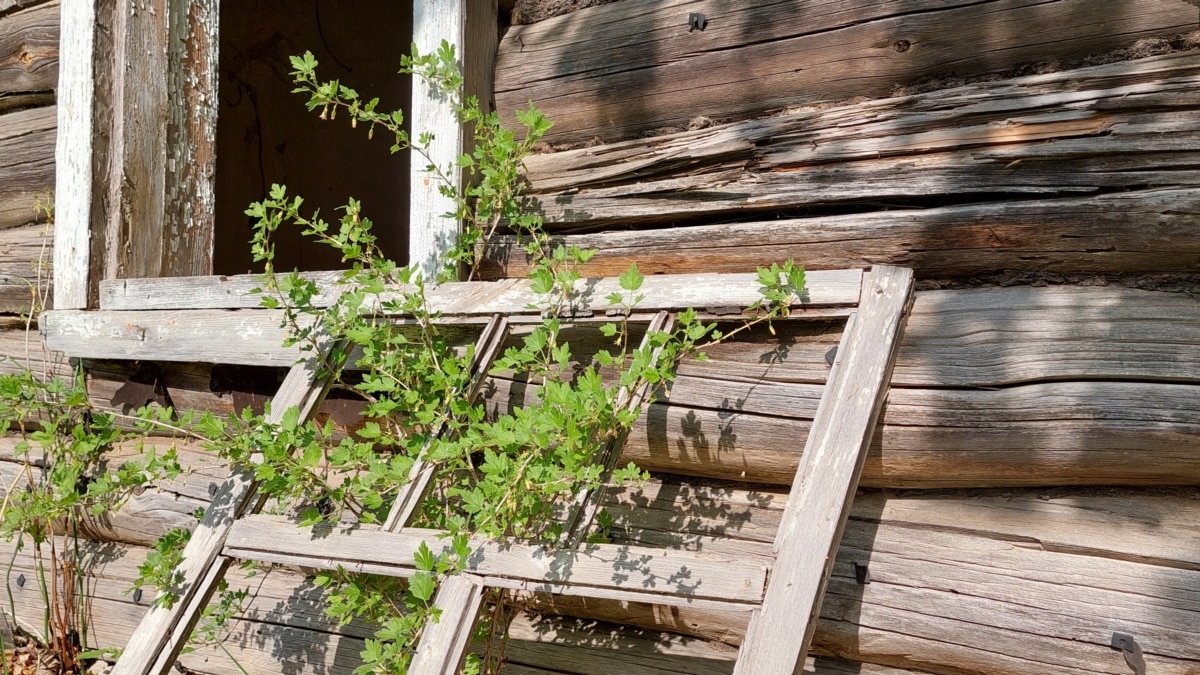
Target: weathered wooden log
x=984, y=138
x=1012, y=570
x=149, y=513
x=26, y=179
x=29, y=50
x=26, y=165
x=619, y=69
x=1143, y=231
x=1065, y=433
x=1127, y=544
x=282, y=630
x=21, y=350
x=9, y=6
x=986, y=144
x=1089, y=379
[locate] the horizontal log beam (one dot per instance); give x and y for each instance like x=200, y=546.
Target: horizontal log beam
x=617, y=70
x=1038, y=434
x=619, y=572
x=1085, y=130
x=1143, y=231
x=1054, y=170
x=29, y=50
x=26, y=168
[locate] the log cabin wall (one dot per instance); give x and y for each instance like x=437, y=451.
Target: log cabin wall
x=28, y=78
x=1031, y=490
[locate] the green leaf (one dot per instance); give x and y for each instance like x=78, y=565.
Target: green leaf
x=421, y=586
x=424, y=558
x=631, y=279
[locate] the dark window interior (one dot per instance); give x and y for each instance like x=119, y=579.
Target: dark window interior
x=266, y=135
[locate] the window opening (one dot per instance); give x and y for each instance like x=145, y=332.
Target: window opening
x=265, y=135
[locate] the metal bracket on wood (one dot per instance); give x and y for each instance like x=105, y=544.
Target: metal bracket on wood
x=1132, y=651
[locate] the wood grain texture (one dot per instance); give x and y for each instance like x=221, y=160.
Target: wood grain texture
x=431, y=234
x=1086, y=170
x=191, y=137
x=136, y=178
x=1036, y=434
x=667, y=577
x=778, y=637
x=283, y=628
x=619, y=69
x=1143, y=231
x=10, y=6
x=29, y=50
x=1115, y=125
x=249, y=337
x=444, y=642
x=73, y=156
x=26, y=164
x=24, y=266
x=21, y=350
x=824, y=288
x=952, y=607
x=163, y=631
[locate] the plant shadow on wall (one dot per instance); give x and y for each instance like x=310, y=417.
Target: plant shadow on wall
x=511, y=475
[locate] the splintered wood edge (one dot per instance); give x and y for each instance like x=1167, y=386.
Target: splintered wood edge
x=824, y=289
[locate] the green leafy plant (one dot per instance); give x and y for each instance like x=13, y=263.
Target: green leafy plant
x=516, y=475
x=66, y=477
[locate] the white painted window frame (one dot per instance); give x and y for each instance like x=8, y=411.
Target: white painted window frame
x=470, y=25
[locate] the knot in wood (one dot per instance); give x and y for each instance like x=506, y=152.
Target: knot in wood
x=901, y=46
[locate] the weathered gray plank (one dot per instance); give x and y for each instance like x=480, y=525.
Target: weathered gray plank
x=1121, y=334
x=1068, y=433
x=21, y=349
x=510, y=296
x=619, y=69
x=73, y=154
x=250, y=337
x=134, y=182
x=26, y=164
x=29, y=50
x=470, y=27
x=778, y=637
x=163, y=632
x=667, y=577
x=444, y=642
x=990, y=337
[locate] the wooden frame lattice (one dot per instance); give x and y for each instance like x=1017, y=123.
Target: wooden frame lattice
x=183, y=316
